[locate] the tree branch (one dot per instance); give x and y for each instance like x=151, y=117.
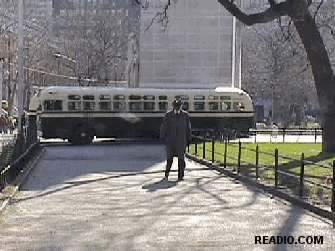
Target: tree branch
x=275, y=11
x=160, y=17
x=317, y=9
x=332, y=31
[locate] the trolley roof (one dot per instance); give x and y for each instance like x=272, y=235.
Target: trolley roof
x=93, y=89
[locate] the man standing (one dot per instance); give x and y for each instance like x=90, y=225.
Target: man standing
x=176, y=132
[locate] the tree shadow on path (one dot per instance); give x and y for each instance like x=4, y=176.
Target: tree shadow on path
x=161, y=184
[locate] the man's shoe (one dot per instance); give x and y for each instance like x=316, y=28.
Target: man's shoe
x=181, y=179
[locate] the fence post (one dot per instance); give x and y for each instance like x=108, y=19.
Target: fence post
x=284, y=130
x=333, y=192
x=203, y=148
x=213, y=143
x=315, y=132
x=2, y=179
x=302, y=174
x=196, y=147
x=3, y=156
x=225, y=153
x=239, y=156
x=257, y=153
x=276, y=167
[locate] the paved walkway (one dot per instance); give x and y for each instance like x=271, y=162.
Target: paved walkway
x=111, y=197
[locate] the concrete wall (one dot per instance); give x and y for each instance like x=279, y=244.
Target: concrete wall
x=194, y=51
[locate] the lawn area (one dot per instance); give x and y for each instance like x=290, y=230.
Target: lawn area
x=312, y=152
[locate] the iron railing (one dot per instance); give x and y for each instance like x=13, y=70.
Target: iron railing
x=205, y=147
x=16, y=150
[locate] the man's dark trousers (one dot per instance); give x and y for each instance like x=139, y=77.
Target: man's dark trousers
x=181, y=167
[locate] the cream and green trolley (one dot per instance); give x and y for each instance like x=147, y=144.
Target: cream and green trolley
x=80, y=113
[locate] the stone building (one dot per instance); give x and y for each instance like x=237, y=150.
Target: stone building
x=199, y=47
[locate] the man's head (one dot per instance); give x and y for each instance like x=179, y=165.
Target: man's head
x=177, y=103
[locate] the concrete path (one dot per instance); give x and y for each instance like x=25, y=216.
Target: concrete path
x=111, y=197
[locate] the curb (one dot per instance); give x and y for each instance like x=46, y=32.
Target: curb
x=294, y=200
x=18, y=185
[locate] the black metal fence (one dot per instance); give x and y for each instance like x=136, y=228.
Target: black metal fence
x=16, y=149
x=206, y=146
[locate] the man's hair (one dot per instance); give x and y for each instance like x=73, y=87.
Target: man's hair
x=177, y=102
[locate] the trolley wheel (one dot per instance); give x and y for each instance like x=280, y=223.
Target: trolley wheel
x=82, y=135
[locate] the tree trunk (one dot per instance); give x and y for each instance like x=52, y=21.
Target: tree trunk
x=316, y=52
x=323, y=76
x=12, y=92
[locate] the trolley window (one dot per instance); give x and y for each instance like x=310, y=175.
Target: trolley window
x=149, y=97
x=73, y=105
x=135, y=97
x=225, y=98
x=74, y=97
x=213, y=106
x=53, y=105
x=199, y=97
x=48, y=105
x=225, y=106
x=211, y=97
x=105, y=97
x=119, y=106
x=105, y=105
x=163, y=106
x=199, y=106
x=149, y=106
x=88, y=97
x=135, y=106
x=185, y=106
x=162, y=97
x=119, y=97
x=238, y=106
x=88, y=106
x=182, y=97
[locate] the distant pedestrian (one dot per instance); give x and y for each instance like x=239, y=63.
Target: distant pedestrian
x=176, y=132
x=3, y=123
x=7, y=126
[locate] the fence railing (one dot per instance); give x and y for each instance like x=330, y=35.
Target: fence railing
x=16, y=149
x=284, y=132
x=294, y=183
x=274, y=134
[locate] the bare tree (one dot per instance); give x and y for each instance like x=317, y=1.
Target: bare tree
x=310, y=36
x=97, y=40
x=37, y=25
x=275, y=67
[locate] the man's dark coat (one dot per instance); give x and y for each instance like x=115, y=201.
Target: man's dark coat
x=176, y=131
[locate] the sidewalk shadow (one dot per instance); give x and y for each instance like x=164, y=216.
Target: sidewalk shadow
x=161, y=184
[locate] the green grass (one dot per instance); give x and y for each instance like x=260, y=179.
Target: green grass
x=312, y=152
